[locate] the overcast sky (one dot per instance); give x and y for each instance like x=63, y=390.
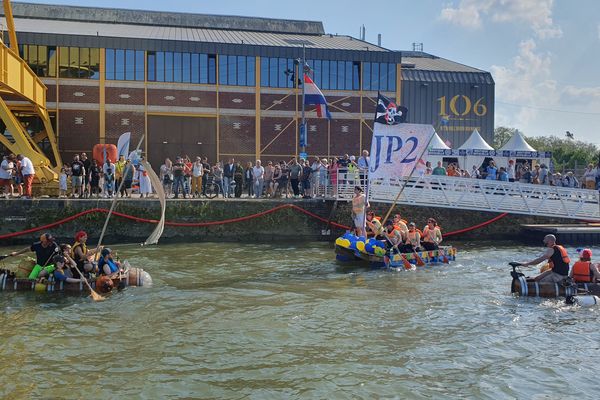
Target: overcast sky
x=544, y=54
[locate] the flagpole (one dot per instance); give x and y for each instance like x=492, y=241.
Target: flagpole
x=303, y=123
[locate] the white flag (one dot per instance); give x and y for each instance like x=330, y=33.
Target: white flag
x=123, y=145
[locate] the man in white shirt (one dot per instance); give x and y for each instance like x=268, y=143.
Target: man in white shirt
x=6, y=172
x=511, y=170
x=363, y=166
x=259, y=178
x=28, y=172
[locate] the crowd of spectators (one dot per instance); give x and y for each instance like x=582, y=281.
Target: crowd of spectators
x=521, y=172
x=295, y=178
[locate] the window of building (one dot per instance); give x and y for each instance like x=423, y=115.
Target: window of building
x=237, y=70
x=181, y=67
x=379, y=76
x=277, y=72
x=125, y=65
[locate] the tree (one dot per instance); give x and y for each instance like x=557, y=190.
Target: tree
x=501, y=135
x=566, y=153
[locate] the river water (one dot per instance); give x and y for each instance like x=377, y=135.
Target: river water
x=233, y=321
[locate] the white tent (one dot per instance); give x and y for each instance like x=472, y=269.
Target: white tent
x=476, y=150
x=436, y=150
x=517, y=147
x=517, y=143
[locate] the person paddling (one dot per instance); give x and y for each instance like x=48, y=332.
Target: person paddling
x=557, y=258
x=44, y=250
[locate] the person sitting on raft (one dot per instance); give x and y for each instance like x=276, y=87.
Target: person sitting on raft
x=374, y=227
x=584, y=271
x=400, y=225
x=393, y=237
x=107, y=264
x=557, y=258
x=70, y=264
x=44, y=250
x=60, y=271
x=413, y=239
x=81, y=254
x=432, y=235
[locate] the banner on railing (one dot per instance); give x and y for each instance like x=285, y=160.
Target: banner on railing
x=396, y=149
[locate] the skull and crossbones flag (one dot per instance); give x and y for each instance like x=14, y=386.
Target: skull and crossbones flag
x=388, y=112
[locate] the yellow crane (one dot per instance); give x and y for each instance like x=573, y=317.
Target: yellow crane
x=22, y=100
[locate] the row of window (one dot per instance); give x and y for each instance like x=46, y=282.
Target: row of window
x=131, y=65
x=72, y=62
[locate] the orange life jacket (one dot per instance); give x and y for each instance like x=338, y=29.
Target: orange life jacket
x=581, y=271
x=562, y=258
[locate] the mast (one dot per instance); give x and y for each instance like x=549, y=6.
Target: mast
x=303, y=133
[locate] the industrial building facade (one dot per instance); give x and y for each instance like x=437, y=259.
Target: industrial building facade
x=227, y=86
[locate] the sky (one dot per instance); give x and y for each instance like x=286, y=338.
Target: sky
x=544, y=55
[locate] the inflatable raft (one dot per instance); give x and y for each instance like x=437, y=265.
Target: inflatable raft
x=131, y=277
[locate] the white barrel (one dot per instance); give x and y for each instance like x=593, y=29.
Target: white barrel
x=586, y=301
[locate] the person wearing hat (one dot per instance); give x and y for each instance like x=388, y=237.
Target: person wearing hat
x=359, y=206
x=44, y=250
x=60, y=274
x=392, y=235
x=81, y=253
x=107, y=265
x=584, y=271
x=557, y=257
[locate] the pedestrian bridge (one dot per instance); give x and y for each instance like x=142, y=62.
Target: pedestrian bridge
x=480, y=195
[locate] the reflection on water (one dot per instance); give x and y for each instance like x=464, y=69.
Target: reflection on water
x=260, y=321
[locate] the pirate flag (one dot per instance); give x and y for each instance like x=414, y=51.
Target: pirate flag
x=388, y=112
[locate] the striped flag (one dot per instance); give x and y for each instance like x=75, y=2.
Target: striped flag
x=314, y=96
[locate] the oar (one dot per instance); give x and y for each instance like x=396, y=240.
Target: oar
x=95, y=296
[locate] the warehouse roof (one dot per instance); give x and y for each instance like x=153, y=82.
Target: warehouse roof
x=159, y=18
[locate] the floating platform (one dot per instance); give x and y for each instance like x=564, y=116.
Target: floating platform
x=574, y=234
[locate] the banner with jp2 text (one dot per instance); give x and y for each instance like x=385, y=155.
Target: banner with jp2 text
x=396, y=146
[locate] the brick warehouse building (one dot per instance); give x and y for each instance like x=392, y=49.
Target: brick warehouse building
x=223, y=86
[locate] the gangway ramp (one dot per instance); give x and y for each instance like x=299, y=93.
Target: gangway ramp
x=481, y=195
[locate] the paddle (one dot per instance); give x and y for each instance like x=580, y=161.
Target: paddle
x=420, y=261
x=95, y=296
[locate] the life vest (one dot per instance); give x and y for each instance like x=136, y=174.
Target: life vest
x=581, y=271
x=430, y=235
x=413, y=238
x=111, y=264
x=83, y=250
x=560, y=260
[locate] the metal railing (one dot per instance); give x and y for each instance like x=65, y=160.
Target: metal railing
x=477, y=194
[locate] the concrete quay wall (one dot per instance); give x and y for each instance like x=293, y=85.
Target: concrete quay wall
x=287, y=225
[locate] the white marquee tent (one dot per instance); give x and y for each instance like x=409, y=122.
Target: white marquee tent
x=474, y=151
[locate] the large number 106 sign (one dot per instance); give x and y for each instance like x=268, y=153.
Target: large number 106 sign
x=396, y=149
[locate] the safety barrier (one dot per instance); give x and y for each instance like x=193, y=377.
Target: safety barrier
x=480, y=195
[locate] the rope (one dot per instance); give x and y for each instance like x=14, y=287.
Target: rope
x=222, y=222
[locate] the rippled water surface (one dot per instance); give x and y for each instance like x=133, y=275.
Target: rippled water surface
x=275, y=321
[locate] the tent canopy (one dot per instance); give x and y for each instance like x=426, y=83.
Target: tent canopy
x=517, y=143
x=475, y=142
x=437, y=143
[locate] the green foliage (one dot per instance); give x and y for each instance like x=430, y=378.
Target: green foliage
x=566, y=153
x=501, y=135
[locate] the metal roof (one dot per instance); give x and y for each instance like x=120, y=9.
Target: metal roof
x=424, y=67
x=160, y=18
x=429, y=62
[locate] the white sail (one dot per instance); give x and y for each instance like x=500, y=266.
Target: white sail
x=156, y=183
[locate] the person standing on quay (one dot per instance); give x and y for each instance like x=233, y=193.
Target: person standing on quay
x=295, y=172
x=363, y=167
x=228, y=172
x=258, y=174
x=197, y=173
x=238, y=177
x=28, y=172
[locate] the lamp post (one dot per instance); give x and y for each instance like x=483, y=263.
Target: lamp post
x=303, y=68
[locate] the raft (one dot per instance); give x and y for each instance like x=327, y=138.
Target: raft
x=524, y=286
x=355, y=257
x=131, y=277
